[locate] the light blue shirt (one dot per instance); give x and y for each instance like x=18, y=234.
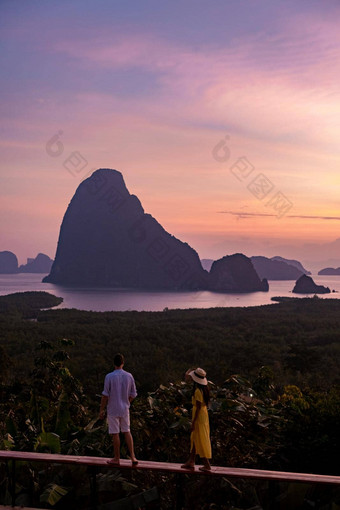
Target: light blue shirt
x=118, y=387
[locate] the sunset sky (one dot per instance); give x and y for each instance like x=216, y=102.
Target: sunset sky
x=151, y=88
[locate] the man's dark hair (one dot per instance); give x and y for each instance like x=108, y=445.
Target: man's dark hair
x=118, y=360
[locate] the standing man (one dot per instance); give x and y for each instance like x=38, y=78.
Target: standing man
x=119, y=391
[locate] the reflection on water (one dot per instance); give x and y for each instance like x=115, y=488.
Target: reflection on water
x=107, y=299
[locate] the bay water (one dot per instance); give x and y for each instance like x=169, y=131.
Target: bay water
x=111, y=299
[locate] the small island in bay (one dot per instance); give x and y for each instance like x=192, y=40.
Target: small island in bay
x=236, y=273
x=306, y=285
x=275, y=268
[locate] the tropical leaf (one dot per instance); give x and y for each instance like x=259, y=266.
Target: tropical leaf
x=66, y=341
x=230, y=404
x=174, y=425
x=91, y=426
x=47, y=442
x=8, y=442
x=63, y=416
x=11, y=427
x=61, y=356
x=234, y=420
x=43, y=345
x=34, y=411
x=65, y=373
x=53, y=493
x=43, y=405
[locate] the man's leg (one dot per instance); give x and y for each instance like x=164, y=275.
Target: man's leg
x=116, y=447
x=125, y=428
x=113, y=423
x=129, y=442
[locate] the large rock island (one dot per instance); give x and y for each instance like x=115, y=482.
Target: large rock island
x=106, y=239
x=275, y=268
x=235, y=273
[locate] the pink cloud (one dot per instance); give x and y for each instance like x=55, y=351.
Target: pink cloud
x=266, y=86
x=276, y=95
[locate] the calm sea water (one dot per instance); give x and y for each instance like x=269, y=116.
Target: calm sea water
x=107, y=299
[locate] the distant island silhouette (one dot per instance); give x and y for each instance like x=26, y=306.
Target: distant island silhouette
x=9, y=264
x=329, y=271
x=106, y=239
x=275, y=268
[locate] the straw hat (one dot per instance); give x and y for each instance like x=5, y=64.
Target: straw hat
x=199, y=376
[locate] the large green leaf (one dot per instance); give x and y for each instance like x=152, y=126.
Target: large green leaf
x=53, y=493
x=47, y=442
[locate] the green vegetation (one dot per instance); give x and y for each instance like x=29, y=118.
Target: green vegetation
x=282, y=412
x=27, y=302
x=298, y=339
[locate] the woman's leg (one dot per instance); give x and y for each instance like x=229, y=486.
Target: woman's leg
x=190, y=463
x=206, y=464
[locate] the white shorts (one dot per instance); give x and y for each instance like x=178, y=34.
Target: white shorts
x=119, y=423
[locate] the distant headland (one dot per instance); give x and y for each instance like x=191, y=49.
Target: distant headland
x=330, y=271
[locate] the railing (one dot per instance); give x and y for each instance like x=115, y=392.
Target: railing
x=95, y=462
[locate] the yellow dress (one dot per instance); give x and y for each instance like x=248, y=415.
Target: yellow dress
x=200, y=437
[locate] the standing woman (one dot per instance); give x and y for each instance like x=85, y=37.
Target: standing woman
x=200, y=431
